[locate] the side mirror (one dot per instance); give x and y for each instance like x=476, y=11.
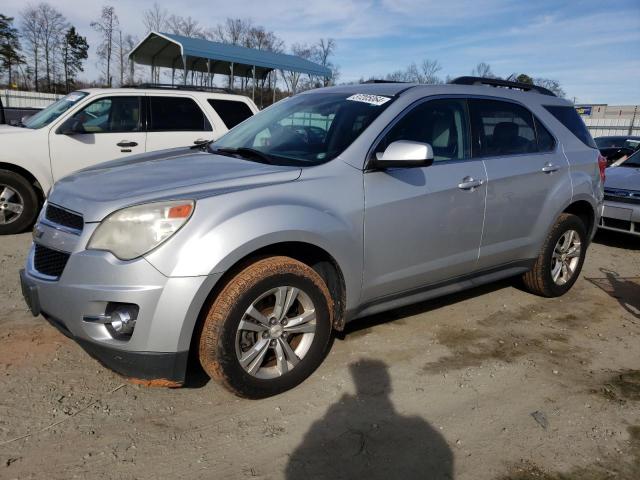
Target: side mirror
x=405, y=153
x=71, y=126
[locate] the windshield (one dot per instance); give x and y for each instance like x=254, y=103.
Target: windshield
x=53, y=111
x=632, y=161
x=304, y=130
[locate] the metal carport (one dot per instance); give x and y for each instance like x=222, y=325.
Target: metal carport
x=199, y=55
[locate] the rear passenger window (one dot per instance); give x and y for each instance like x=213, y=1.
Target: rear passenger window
x=501, y=128
x=231, y=112
x=176, y=114
x=568, y=116
x=546, y=142
x=440, y=123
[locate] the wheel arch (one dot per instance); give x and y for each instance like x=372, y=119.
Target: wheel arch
x=23, y=172
x=308, y=253
x=584, y=210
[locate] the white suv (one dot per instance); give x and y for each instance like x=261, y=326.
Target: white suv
x=94, y=125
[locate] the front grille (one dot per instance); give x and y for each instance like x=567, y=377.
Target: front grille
x=49, y=262
x=64, y=217
x=622, y=196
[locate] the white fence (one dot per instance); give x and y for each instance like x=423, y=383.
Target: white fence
x=613, y=126
x=19, y=99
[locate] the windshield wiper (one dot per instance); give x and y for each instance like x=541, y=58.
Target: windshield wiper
x=245, y=152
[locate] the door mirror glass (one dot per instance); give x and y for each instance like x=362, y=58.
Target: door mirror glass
x=405, y=153
x=71, y=126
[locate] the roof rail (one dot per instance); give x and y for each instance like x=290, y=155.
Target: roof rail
x=168, y=86
x=378, y=80
x=497, y=82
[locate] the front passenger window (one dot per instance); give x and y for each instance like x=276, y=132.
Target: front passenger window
x=111, y=115
x=440, y=123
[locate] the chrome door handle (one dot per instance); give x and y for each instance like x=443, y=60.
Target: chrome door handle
x=469, y=183
x=550, y=168
x=126, y=144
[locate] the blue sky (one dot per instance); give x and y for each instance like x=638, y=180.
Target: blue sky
x=592, y=47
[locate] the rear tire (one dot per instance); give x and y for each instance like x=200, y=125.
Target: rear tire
x=560, y=261
x=292, y=340
x=16, y=193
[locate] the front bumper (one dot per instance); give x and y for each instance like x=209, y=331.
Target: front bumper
x=158, y=349
x=621, y=217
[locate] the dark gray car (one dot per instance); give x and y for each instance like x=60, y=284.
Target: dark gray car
x=324, y=208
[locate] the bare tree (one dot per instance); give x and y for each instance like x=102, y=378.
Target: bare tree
x=325, y=48
x=107, y=27
x=53, y=26
x=32, y=35
x=426, y=73
x=550, y=84
x=483, y=70
x=155, y=18
x=292, y=79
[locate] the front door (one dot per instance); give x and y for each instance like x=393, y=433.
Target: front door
x=424, y=225
x=108, y=128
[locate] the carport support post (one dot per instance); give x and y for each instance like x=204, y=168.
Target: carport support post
x=208, y=82
x=253, y=87
x=275, y=78
x=184, y=64
x=131, y=71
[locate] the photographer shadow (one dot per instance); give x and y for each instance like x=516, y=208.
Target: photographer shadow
x=363, y=436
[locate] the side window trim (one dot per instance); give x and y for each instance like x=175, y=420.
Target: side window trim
x=536, y=122
x=462, y=98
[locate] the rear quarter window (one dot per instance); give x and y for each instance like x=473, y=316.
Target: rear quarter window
x=231, y=112
x=568, y=116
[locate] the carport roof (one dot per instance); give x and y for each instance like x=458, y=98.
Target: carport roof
x=168, y=50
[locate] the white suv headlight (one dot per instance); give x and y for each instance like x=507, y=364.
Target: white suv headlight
x=131, y=232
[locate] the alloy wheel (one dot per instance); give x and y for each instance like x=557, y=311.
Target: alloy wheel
x=275, y=332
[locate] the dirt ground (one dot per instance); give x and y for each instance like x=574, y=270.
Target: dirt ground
x=491, y=383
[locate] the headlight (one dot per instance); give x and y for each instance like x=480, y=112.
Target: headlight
x=131, y=232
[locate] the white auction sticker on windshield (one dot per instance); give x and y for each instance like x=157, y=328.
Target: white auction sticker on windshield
x=73, y=97
x=370, y=99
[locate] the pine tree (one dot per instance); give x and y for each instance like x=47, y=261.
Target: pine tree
x=74, y=52
x=9, y=46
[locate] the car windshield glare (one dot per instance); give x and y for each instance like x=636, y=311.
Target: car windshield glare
x=305, y=130
x=53, y=111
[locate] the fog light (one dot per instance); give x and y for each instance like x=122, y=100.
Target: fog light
x=119, y=318
x=122, y=322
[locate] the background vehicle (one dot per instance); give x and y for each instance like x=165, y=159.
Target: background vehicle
x=622, y=197
x=613, y=148
x=329, y=206
x=95, y=125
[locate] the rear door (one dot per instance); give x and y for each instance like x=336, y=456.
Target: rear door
x=110, y=128
x=525, y=169
x=175, y=121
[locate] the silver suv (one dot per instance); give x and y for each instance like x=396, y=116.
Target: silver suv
x=326, y=207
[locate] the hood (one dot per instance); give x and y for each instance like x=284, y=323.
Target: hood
x=624, y=178
x=11, y=129
x=170, y=174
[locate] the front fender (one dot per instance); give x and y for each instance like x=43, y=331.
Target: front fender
x=210, y=248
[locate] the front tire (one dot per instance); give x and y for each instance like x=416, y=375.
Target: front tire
x=560, y=261
x=18, y=203
x=268, y=329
